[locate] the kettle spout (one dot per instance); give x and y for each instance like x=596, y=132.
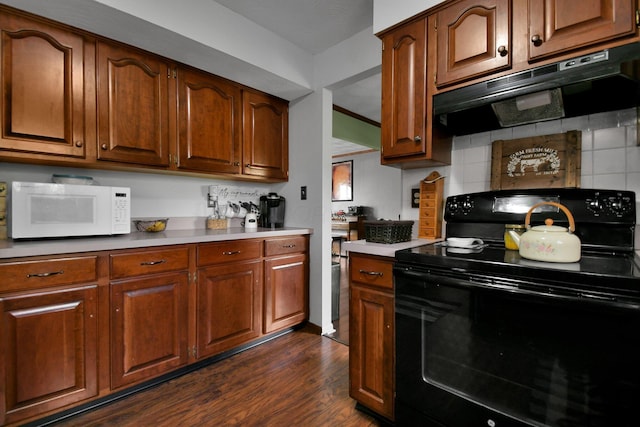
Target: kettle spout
x=512, y=239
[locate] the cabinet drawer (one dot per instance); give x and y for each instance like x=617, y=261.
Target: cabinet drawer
x=229, y=251
x=285, y=245
x=371, y=271
x=148, y=262
x=26, y=275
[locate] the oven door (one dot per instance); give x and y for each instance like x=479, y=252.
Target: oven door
x=478, y=351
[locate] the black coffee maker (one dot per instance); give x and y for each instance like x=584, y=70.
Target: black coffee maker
x=271, y=211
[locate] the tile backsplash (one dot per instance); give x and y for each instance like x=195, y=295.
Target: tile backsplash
x=610, y=156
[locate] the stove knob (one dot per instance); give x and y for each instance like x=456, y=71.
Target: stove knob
x=618, y=205
x=467, y=205
x=595, y=206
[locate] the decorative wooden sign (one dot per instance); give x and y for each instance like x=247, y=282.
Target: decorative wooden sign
x=549, y=161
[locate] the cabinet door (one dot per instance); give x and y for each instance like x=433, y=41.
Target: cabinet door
x=42, y=88
x=133, y=117
x=403, y=91
x=209, y=121
x=266, y=136
x=563, y=25
x=371, y=336
x=473, y=39
x=48, y=344
x=229, y=300
x=148, y=327
x=285, y=292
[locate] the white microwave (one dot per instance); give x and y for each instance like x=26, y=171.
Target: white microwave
x=39, y=210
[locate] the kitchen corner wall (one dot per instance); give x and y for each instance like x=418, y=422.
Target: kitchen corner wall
x=610, y=156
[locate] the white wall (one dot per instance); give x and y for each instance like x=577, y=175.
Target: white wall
x=387, y=13
x=374, y=185
x=152, y=194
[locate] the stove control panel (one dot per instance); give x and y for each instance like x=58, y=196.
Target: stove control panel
x=460, y=205
x=615, y=204
x=511, y=206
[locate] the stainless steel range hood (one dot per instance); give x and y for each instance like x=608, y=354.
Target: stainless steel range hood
x=607, y=80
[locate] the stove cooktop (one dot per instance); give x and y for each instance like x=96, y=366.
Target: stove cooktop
x=611, y=273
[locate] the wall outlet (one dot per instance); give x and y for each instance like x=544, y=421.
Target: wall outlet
x=303, y=192
x=415, y=197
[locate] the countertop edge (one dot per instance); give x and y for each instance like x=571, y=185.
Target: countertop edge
x=23, y=248
x=383, y=249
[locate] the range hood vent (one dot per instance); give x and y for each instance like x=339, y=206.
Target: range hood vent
x=607, y=80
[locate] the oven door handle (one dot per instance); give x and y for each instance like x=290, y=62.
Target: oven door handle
x=469, y=280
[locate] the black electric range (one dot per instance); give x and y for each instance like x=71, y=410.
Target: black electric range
x=486, y=337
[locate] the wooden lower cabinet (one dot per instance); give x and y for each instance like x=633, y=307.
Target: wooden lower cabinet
x=48, y=350
x=229, y=301
x=149, y=313
x=372, y=333
x=286, y=274
x=285, y=296
x=80, y=327
x=148, y=327
x=48, y=335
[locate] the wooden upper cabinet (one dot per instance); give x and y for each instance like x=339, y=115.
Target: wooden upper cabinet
x=209, y=123
x=473, y=39
x=403, y=91
x=133, y=106
x=266, y=136
x=42, y=88
x=557, y=26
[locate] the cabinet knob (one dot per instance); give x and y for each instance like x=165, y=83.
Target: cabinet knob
x=502, y=50
x=236, y=163
x=536, y=40
x=78, y=144
x=103, y=146
x=417, y=138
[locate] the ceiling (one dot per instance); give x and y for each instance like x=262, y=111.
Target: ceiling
x=315, y=26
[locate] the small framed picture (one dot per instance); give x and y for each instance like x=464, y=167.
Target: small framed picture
x=342, y=181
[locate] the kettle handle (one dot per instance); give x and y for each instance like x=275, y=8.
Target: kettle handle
x=572, y=224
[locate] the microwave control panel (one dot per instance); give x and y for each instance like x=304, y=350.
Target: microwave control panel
x=121, y=209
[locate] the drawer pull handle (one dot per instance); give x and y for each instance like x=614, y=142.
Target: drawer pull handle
x=230, y=252
x=288, y=246
x=371, y=273
x=52, y=273
x=162, y=261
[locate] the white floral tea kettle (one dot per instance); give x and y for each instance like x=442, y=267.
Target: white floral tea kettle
x=548, y=242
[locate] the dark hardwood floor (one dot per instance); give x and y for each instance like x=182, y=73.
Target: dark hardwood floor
x=298, y=379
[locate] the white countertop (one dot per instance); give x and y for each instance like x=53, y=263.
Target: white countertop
x=383, y=249
x=20, y=248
